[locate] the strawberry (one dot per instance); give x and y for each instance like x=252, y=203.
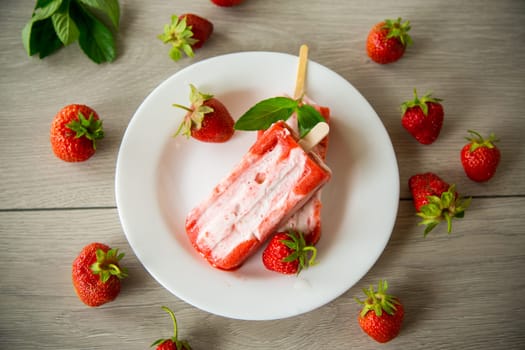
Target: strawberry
x=97, y=274
x=74, y=132
x=382, y=314
x=171, y=343
x=288, y=253
x=423, y=118
x=226, y=3
x=387, y=40
x=186, y=32
x=435, y=200
x=480, y=157
x=207, y=119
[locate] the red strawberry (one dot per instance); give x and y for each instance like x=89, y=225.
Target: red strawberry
x=97, y=274
x=207, y=119
x=387, y=40
x=74, y=131
x=288, y=253
x=226, y=3
x=435, y=200
x=480, y=157
x=186, y=32
x=382, y=314
x=171, y=343
x=423, y=118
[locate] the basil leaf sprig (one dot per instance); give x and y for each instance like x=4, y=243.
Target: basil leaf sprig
x=58, y=23
x=266, y=112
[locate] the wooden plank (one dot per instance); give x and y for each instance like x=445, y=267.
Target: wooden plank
x=458, y=290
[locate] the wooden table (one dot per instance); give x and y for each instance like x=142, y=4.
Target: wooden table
x=461, y=291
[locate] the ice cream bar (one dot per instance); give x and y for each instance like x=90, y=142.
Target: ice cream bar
x=273, y=180
x=307, y=219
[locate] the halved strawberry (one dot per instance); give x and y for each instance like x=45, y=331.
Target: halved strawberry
x=207, y=119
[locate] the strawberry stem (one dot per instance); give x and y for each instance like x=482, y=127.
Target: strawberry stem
x=378, y=301
x=419, y=102
x=107, y=265
x=478, y=141
x=89, y=128
x=446, y=207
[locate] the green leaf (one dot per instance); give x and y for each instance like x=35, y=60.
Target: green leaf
x=40, y=37
x=65, y=27
x=307, y=118
x=266, y=112
x=45, y=9
x=95, y=39
x=109, y=7
x=34, y=34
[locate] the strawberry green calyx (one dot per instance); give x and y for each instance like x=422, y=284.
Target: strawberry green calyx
x=179, y=344
x=398, y=30
x=446, y=207
x=196, y=113
x=89, y=128
x=303, y=253
x=107, y=265
x=180, y=35
x=419, y=102
x=378, y=301
x=477, y=141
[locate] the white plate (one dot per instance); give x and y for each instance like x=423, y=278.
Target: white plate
x=160, y=178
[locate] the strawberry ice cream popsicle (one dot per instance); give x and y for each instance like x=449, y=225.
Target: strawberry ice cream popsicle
x=273, y=180
x=307, y=219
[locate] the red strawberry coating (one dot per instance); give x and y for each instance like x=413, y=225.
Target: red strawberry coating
x=423, y=118
x=207, y=119
x=96, y=274
x=288, y=253
x=74, y=131
x=382, y=314
x=480, y=158
x=436, y=201
x=387, y=41
x=226, y=3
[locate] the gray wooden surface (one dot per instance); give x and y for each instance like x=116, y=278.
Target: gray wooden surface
x=461, y=291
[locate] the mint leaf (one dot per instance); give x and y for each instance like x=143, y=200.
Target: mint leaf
x=307, y=118
x=266, y=112
x=65, y=27
x=32, y=37
x=44, y=9
x=109, y=7
x=40, y=37
x=95, y=39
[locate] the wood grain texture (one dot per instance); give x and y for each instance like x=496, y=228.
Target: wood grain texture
x=460, y=291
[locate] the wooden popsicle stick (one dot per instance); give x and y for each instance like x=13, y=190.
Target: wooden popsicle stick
x=301, y=72
x=318, y=132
